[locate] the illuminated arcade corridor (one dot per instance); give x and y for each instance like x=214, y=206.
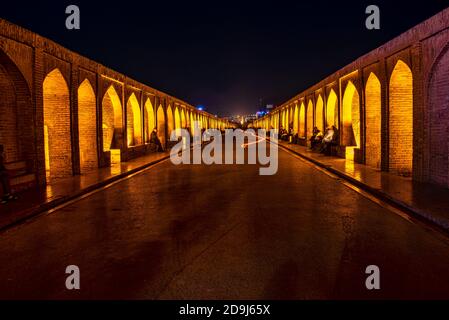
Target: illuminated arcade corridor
x=137, y=226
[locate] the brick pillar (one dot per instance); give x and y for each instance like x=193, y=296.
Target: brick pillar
x=362, y=114
x=99, y=98
x=73, y=85
x=38, y=102
x=420, y=117
x=384, y=138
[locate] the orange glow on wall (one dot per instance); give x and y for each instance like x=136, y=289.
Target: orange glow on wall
x=351, y=116
x=183, y=119
x=161, y=124
x=134, y=121
x=373, y=121
x=87, y=127
x=192, y=123
x=170, y=120
x=295, y=119
x=401, y=119
x=47, y=153
x=302, y=120
x=310, y=119
x=56, y=118
x=177, y=122
x=149, y=119
x=331, y=109
x=319, y=114
x=112, y=124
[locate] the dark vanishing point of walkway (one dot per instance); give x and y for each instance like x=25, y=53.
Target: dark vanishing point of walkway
x=224, y=232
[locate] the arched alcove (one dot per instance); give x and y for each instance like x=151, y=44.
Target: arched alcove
x=401, y=119
x=87, y=127
x=57, y=133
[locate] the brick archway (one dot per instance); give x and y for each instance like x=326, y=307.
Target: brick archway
x=87, y=127
x=295, y=119
x=351, y=116
x=149, y=119
x=319, y=113
x=309, y=119
x=302, y=120
x=170, y=121
x=161, y=125
x=332, y=109
x=373, y=121
x=401, y=119
x=57, y=135
x=16, y=112
x=178, y=124
x=112, y=126
x=183, y=119
x=133, y=121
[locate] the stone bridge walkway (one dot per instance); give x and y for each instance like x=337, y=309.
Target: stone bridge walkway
x=424, y=201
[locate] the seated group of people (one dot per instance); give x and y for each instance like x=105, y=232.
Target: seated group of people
x=284, y=134
x=323, y=142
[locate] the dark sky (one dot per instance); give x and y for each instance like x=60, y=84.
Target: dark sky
x=225, y=55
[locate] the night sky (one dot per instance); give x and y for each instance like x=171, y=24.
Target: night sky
x=224, y=55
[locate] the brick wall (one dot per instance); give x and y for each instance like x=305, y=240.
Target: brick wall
x=87, y=127
x=332, y=109
x=319, y=114
x=401, y=120
x=149, y=119
x=309, y=122
x=373, y=121
x=133, y=122
x=57, y=121
x=439, y=121
x=8, y=112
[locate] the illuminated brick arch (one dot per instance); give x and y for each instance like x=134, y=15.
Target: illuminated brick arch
x=15, y=112
x=319, y=113
x=309, y=119
x=295, y=119
x=332, y=109
x=183, y=119
x=302, y=120
x=187, y=119
x=133, y=121
x=291, y=117
x=57, y=135
x=149, y=119
x=373, y=121
x=351, y=116
x=401, y=119
x=87, y=127
x=177, y=118
x=112, y=122
x=178, y=122
x=170, y=121
x=438, y=93
x=161, y=125
x=192, y=123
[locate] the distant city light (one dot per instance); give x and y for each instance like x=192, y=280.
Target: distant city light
x=200, y=107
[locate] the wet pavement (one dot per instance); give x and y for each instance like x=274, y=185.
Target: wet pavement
x=427, y=201
x=224, y=232
x=35, y=200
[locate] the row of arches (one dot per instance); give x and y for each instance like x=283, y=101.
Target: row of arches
x=360, y=128
x=139, y=124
